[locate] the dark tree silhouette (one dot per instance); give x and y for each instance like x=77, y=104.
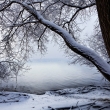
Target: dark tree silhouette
x=103, y=9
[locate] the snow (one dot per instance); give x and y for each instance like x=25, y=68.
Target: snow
x=73, y=97
x=63, y=98
x=85, y=52
x=101, y=65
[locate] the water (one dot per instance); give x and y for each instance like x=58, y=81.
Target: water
x=53, y=76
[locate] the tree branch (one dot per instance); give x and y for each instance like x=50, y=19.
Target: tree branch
x=77, y=6
x=101, y=65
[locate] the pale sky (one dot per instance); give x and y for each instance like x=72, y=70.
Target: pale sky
x=52, y=70
x=55, y=53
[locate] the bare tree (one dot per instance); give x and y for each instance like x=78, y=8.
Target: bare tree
x=9, y=69
x=104, y=19
x=28, y=23
x=96, y=43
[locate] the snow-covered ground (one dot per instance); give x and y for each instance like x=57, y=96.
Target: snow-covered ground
x=81, y=98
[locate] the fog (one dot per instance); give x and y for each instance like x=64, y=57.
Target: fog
x=52, y=70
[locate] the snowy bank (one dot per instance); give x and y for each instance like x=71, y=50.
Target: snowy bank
x=85, y=98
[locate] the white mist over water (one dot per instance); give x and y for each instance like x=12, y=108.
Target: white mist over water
x=54, y=76
x=52, y=72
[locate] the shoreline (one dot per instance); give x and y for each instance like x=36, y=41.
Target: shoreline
x=31, y=90
x=93, y=97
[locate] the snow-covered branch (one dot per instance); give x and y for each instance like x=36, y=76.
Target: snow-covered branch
x=78, y=6
x=101, y=65
x=21, y=24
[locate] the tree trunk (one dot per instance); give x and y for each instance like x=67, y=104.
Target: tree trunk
x=103, y=9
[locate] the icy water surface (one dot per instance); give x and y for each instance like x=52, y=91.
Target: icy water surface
x=53, y=76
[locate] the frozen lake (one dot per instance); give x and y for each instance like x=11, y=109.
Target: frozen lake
x=45, y=76
x=52, y=72
x=53, y=75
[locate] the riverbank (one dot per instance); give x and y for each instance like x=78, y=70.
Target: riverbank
x=84, y=98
